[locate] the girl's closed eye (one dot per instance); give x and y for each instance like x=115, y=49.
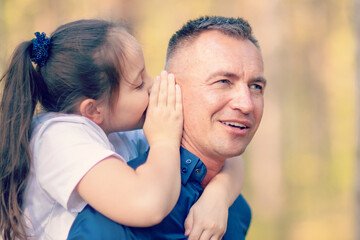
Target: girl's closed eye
x=141, y=79
x=141, y=85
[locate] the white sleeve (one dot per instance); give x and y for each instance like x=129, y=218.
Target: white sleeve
x=129, y=144
x=64, y=153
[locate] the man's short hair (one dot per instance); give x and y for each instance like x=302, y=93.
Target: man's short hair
x=235, y=27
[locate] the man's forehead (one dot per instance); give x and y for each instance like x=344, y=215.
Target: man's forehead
x=207, y=41
x=215, y=49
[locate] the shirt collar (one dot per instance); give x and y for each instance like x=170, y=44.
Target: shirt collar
x=192, y=168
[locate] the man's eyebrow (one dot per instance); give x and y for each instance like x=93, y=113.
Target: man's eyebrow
x=222, y=73
x=260, y=80
x=233, y=75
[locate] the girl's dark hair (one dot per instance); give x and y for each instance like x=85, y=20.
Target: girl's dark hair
x=85, y=60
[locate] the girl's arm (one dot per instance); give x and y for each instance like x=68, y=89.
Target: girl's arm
x=208, y=217
x=143, y=197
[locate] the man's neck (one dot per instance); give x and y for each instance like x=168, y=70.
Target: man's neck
x=213, y=168
x=213, y=165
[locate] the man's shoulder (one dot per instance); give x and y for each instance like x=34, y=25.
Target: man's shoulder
x=241, y=204
x=239, y=219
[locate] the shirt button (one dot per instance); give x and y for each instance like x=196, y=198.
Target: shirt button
x=197, y=171
x=184, y=170
x=188, y=161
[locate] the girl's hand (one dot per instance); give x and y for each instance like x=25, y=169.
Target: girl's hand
x=207, y=218
x=164, y=117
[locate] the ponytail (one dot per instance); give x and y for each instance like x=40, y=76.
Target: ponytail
x=77, y=62
x=19, y=99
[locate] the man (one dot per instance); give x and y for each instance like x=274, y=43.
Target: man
x=217, y=63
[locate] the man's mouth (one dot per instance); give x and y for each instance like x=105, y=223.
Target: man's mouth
x=235, y=124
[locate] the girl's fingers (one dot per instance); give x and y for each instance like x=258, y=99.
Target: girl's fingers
x=153, y=99
x=162, y=99
x=171, y=101
x=215, y=238
x=178, y=106
x=195, y=233
x=189, y=223
x=206, y=236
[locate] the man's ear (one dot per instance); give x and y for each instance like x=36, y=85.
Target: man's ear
x=89, y=108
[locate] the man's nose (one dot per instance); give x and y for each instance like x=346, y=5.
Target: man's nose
x=242, y=100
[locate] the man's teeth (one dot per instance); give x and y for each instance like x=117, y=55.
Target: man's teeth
x=235, y=124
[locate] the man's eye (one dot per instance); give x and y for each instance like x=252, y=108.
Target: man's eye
x=224, y=81
x=256, y=86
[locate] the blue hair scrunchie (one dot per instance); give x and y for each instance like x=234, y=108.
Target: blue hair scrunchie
x=40, y=50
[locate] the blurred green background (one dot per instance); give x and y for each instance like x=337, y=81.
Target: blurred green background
x=301, y=165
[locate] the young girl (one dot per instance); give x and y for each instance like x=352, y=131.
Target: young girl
x=90, y=80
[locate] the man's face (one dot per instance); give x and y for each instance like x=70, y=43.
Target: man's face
x=222, y=84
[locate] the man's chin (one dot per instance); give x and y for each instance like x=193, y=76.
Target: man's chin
x=232, y=152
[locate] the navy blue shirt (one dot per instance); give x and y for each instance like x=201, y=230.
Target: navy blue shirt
x=90, y=224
